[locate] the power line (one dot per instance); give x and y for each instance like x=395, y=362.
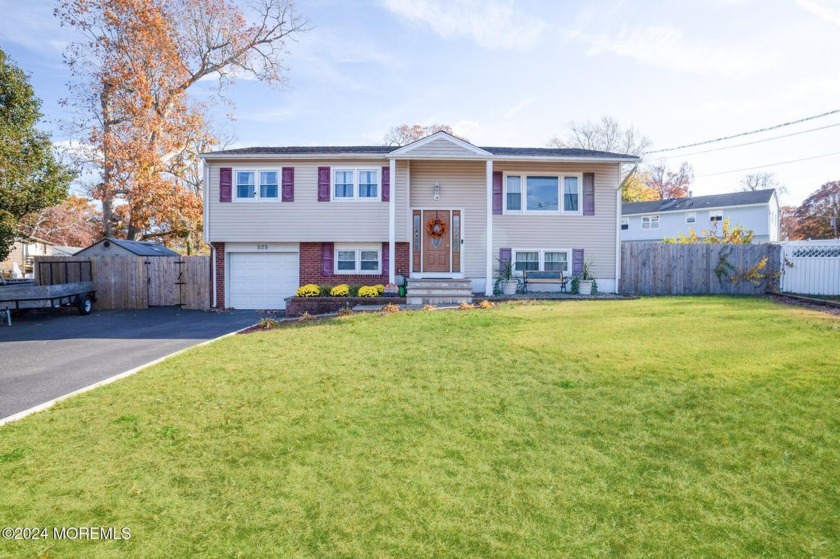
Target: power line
x=753, y=142
x=769, y=165
x=775, y=126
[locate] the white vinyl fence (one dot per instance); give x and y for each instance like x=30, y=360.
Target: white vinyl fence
x=811, y=267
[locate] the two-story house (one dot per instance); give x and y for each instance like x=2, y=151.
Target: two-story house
x=280, y=217
x=756, y=210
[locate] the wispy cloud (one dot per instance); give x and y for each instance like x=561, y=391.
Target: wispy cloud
x=493, y=24
x=519, y=106
x=829, y=13
x=665, y=46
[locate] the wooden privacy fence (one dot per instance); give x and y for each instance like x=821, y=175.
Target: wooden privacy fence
x=811, y=267
x=699, y=269
x=135, y=282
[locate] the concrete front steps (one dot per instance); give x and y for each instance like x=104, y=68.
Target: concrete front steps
x=438, y=292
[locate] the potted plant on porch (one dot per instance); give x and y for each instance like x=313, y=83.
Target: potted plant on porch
x=507, y=277
x=587, y=278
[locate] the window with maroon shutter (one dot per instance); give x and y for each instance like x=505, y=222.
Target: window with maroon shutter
x=288, y=184
x=386, y=184
x=589, y=194
x=497, y=193
x=323, y=184
x=386, y=259
x=225, y=184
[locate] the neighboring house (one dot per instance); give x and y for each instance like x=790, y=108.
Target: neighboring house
x=120, y=247
x=279, y=217
x=756, y=210
x=23, y=252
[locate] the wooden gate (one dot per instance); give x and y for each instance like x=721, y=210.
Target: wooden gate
x=164, y=278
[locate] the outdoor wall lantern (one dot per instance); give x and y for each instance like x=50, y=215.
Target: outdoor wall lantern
x=436, y=191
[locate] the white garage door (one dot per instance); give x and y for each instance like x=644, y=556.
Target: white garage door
x=261, y=280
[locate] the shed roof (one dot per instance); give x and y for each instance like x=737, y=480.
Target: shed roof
x=140, y=248
x=730, y=199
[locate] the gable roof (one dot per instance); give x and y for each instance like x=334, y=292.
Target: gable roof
x=405, y=151
x=140, y=248
x=747, y=198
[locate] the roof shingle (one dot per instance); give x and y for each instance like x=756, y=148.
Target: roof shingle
x=698, y=202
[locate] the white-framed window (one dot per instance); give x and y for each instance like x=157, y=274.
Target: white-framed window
x=256, y=184
x=650, y=222
x=245, y=185
x=545, y=259
x=691, y=217
x=543, y=193
x=715, y=216
x=625, y=223
x=355, y=184
x=358, y=259
x=269, y=184
x=513, y=193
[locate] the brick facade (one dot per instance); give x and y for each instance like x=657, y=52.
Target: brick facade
x=310, y=267
x=219, y=253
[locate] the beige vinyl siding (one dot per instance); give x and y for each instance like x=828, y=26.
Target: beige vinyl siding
x=462, y=186
x=399, y=195
x=304, y=220
x=595, y=234
x=443, y=148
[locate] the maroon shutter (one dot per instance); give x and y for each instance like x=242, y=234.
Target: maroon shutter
x=497, y=194
x=288, y=184
x=327, y=259
x=505, y=254
x=589, y=194
x=386, y=184
x=323, y=184
x=225, y=184
x=577, y=261
x=386, y=259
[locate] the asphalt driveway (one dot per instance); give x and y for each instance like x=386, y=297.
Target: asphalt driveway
x=44, y=355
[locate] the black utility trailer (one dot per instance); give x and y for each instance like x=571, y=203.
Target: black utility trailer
x=19, y=297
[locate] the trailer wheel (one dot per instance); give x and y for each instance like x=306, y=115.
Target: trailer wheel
x=86, y=305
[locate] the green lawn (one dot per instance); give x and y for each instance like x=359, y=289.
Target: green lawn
x=669, y=427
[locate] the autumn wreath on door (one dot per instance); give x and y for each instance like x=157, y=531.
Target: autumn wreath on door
x=436, y=227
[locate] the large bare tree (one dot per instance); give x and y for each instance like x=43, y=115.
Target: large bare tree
x=610, y=135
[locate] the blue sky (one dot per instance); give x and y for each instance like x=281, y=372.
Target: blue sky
x=515, y=73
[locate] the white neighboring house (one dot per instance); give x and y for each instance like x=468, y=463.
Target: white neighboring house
x=756, y=210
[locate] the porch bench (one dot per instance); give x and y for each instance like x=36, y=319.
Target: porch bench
x=544, y=277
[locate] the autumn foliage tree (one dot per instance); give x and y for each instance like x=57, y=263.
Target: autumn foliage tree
x=405, y=134
x=814, y=216
x=668, y=183
x=132, y=72
x=75, y=222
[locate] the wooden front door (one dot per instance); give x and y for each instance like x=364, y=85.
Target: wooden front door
x=441, y=253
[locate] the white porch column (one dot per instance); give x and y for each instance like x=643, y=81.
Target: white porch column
x=488, y=289
x=392, y=225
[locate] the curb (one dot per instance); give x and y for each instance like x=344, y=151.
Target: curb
x=41, y=407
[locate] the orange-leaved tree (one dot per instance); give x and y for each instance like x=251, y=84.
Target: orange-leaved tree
x=131, y=75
